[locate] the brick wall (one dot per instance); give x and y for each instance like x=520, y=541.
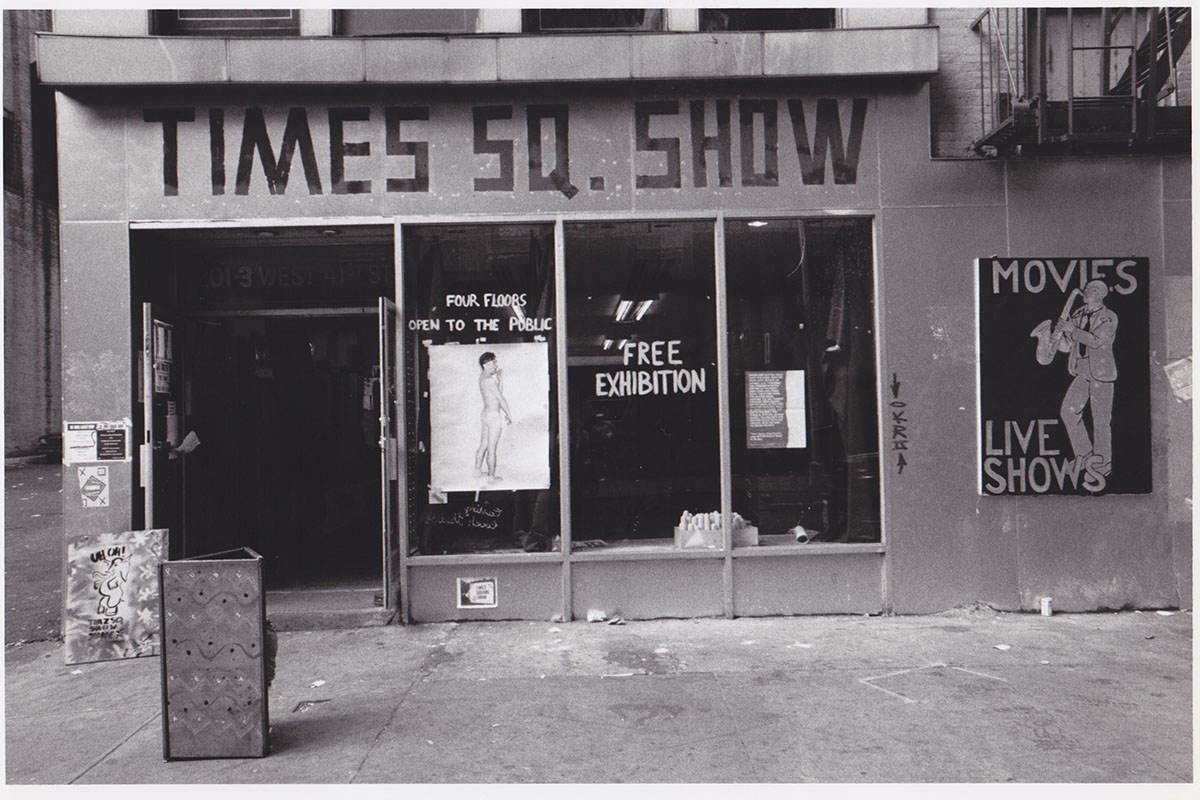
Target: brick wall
x=954, y=92
x=32, y=373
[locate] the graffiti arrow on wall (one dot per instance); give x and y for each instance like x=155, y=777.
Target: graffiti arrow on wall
x=898, y=409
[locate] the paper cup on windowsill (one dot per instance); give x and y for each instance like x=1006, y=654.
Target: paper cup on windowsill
x=803, y=536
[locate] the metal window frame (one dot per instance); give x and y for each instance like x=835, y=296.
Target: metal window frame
x=171, y=22
x=469, y=24
x=565, y=556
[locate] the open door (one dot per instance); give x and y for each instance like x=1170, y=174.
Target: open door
x=159, y=381
x=389, y=455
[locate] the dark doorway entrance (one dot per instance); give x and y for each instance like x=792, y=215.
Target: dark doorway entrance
x=286, y=408
x=274, y=365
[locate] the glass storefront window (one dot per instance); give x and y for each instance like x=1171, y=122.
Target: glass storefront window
x=482, y=400
x=642, y=377
x=803, y=409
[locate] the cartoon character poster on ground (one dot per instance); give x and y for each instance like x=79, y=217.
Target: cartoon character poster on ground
x=112, y=608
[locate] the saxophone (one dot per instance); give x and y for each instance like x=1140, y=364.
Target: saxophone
x=1049, y=334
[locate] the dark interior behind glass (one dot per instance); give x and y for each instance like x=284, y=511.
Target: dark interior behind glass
x=800, y=299
x=642, y=377
x=443, y=265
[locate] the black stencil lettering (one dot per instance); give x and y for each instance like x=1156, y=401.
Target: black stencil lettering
x=397, y=147
x=828, y=136
x=722, y=143
x=642, y=113
x=254, y=136
x=500, y=147
x=170, y=119
x=747, y=109
x=339, y=149
x=559, y=178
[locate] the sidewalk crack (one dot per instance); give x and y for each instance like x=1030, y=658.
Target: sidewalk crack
x=115, y=747
x=738, y=731
x=423, y=672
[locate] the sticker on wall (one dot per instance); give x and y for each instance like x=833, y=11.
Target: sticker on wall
x=162, y=377
x=89, y=442
x=93, y=486
x=477, y=593
x=1179, y=376
x=489, y=407
x=1064, y=376
x=164, y=346
x=112, y=595
x=775, y=410
x=172, y=423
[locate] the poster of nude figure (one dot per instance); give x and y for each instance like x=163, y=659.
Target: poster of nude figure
x=489, y=411
x=1064, y=375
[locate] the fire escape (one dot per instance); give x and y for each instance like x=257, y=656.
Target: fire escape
x=1083, y=80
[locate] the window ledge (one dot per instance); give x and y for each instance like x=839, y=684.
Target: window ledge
x=146, y=60
x=664, y=552
x=811, y=549
x=450, y=559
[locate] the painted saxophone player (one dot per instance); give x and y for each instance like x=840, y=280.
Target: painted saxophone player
x=1061, y=422
x=1086, y=335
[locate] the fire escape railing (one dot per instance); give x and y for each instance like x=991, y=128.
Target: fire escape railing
x=1002, y=64
x=1048, y=78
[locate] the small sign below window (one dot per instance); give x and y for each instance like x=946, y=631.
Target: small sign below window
x=477, y=593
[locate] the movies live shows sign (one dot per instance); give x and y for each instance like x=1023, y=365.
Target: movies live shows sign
x=585, y=153
x=1064, y=375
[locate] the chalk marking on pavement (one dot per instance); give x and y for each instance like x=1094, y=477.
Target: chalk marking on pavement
x=115, y=747
x=867, y=681
x=980, y=674
x=901, y=672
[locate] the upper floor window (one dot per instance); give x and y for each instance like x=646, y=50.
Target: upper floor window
x=401, y=21
x=574, y=20
x=766, y=19
x=226, y=22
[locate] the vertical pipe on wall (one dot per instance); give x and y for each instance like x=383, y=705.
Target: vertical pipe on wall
x=1043, y=79
x=401, y=424
x=983, y=100
x=885, y=571
x=1070, y=72
x=723, y=411
x=564, y=456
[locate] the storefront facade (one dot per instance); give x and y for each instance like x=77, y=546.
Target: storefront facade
x=662, y=347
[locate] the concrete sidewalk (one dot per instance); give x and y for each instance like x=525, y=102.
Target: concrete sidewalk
x=1070, y=698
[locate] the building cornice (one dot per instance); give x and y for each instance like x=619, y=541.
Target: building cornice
x=483, y=60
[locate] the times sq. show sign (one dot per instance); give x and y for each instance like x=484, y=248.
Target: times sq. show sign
x=1064, y=375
